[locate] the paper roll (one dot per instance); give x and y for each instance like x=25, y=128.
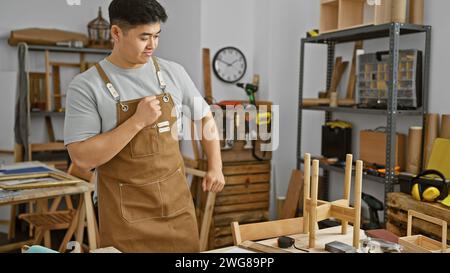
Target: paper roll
x=445, y=127
x=414, y=155
x=416, y=10
x=399, y=11
x=431, y=133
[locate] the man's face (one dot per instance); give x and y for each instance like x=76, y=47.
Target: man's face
x=138, y=44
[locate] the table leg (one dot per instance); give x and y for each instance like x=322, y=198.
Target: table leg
x=42, y=208
x=79, y=235
x=90, y=221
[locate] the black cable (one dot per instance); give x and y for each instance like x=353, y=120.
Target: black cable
x=301, y=249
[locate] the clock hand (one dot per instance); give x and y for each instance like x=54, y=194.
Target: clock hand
x=220, y=60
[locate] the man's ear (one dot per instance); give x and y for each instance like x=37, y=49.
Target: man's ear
x=116, y=33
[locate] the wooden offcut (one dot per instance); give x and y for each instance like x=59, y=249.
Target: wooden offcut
x=293, y=194
x=351, y=86
x=207, y=75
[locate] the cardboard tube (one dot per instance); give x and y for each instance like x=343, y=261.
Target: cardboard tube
x=399, y=11
x=416, y=10
x=431, y=133
x=445, y=127
x=414, y=150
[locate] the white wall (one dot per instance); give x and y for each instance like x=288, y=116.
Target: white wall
x=181, y=36
x=229, y=23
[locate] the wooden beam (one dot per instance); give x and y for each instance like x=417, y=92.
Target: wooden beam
x=292, y=196
x=48, y=96
x=207, y=75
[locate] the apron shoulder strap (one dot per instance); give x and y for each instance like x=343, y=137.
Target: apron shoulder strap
x=108, y=83
x=162, y=83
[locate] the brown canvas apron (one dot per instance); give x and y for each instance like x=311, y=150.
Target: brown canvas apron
x=145, y=204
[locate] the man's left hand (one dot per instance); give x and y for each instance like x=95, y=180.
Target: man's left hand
x=214, y=181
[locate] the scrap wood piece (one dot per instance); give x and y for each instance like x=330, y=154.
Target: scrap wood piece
x=207, y=75
x=293, y=195
x=352, y=78
x=338, y=71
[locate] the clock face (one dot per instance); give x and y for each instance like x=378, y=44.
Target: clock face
x=229, y=64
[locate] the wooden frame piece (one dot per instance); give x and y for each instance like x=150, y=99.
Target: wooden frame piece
x=265, y=230
x=420, y=243
x=63, y=180
x=317, y=210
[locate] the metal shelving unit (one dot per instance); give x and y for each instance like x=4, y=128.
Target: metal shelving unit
x=393, y=31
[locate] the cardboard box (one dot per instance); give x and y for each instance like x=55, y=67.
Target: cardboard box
x=372, y=148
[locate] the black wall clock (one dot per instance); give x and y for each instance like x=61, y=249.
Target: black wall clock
x=229, y=64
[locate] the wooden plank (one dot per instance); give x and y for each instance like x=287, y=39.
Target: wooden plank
x=351, y=86
x=48, y=96
x=207, y=75
x=242, y=198
x=293, y=194
x=56, y=86
x=241, y=217
x=206, y=221
x=246, y=169
x=51, y=146
x=246, y=179
x=245, y=189
x=270, y=229
x=64, y=64
x=241, y=207
x=50, y=131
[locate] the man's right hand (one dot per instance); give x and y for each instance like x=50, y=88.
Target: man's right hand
x=148, y=111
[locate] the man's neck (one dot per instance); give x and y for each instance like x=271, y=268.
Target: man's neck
x=116, y=59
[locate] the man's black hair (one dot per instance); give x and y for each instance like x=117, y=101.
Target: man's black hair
x=131, y=13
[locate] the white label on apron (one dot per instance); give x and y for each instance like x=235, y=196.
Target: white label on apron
x=163, y=124
x=164, y=129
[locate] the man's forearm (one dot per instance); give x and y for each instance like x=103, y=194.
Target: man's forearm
x=100, y=149
x=211, y=143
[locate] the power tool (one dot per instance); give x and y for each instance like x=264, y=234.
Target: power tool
x=250, y=89
x=374, y=205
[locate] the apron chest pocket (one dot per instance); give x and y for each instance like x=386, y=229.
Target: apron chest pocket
x=145, y=143
x=167, y=197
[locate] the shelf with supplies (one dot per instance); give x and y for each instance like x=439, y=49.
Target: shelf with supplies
x=44, y=97
x=392, y=62
x=367, y=111
x=366, y=33
x=339, y=169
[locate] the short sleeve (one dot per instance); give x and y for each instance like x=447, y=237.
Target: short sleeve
x=82, y=120
x=192, y=98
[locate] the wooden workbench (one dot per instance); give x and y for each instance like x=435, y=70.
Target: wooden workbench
x=323, y=237
x=86, y=211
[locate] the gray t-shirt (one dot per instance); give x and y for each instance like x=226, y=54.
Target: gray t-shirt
x=91, y=110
